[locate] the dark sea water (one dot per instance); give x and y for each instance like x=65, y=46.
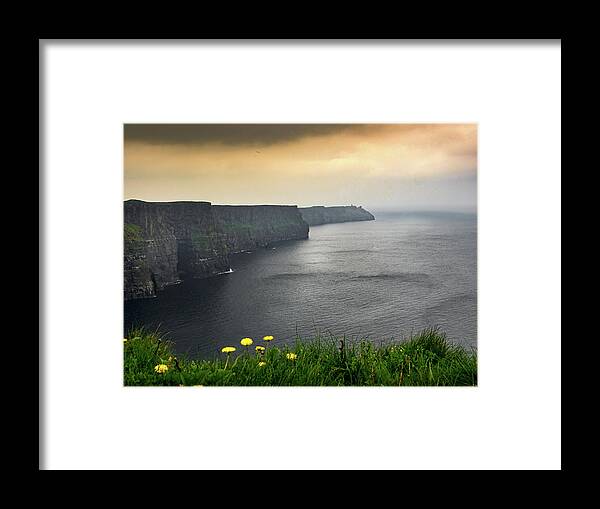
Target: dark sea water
x=382, y=280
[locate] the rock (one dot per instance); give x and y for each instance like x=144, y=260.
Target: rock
x=167, y=242
x=323, y=215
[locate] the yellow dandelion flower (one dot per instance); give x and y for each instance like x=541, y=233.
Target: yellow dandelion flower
x=268, y=338
x=228, y=349
x=246, y=341
x=262, y=363
x=260, y=348
x=291, y=356
x=161, y=368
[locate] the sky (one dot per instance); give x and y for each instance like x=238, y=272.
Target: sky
x=378, y=166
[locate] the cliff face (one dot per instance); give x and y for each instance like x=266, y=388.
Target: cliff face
x=245, y=227
x=324, y=215
x=166, y=242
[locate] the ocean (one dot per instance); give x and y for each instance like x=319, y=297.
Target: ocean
x=382, y=280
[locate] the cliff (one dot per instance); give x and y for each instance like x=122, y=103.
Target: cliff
x=248, y=226
x=167, y=242
x=323, y=215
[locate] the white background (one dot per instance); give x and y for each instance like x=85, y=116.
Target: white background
x=512, y=420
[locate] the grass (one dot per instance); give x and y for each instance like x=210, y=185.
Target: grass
x=133, y=232
x=426, y=359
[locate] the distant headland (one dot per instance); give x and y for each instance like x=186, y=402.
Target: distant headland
x=323, y=215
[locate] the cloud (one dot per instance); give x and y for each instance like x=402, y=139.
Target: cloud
x=296, y=163
x=227, y=134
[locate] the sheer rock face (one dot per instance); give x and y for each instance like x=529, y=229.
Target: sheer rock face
x=323, y=215
x=167, y=242
x=250, y=226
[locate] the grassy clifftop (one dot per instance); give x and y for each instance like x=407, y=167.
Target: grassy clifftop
x=426, y=359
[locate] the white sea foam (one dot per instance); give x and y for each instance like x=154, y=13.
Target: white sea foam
x=225, y=272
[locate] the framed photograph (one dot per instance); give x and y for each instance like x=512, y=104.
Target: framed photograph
x=330, y=246
x=284, y=280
